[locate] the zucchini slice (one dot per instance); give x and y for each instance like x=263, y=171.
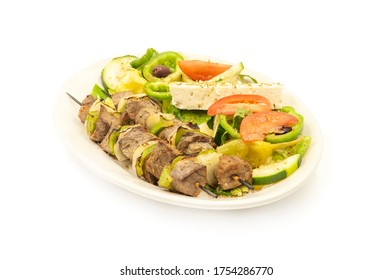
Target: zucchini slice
x=119, y=75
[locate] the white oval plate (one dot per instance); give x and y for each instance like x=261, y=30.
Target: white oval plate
x=75, y=138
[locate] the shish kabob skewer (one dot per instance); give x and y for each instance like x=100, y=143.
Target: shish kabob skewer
x=138, y=117
x=245, y=183
x=145, y=106
x=74, y=99
x=191, y=142
x=135, y=139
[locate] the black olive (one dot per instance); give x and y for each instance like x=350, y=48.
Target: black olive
x=161, y=71
x=285, y=129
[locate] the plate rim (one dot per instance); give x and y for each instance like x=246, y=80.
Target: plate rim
x=280, y=190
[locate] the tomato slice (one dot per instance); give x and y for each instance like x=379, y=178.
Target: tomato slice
x=228, y=105
x=254, y=127
x=199, y=70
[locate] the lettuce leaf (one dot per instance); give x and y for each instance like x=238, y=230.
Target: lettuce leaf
x=193, y=116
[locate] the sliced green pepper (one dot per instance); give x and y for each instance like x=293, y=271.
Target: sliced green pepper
x=158, y=123
x=157, y=90
x=144, y=59
x=302, y=147
x=226, y=129
x=98, y=93
x=168, y=59
x=229, y=129
x=299, y=148
x=113, y=138
x=165, y=179
x=139, y=165
x=91, y=121
x=289, y=136
x=160, y=126
x=179, y=133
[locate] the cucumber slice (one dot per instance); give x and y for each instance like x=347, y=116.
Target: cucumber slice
x=274, y=172
x=114, y=71
x=230, y=75
x=119, y=75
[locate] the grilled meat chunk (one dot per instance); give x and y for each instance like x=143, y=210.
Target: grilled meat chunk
x=85, y=107
x=131, y=138
x=230, y=166
x=124, y=119
x=194, y=142
x=143, y=115
x=197, y=147
x=105, y=121
x=120, y=95
x=160, y=156
x=134, y=105
x=187, y=176
x=168, y=133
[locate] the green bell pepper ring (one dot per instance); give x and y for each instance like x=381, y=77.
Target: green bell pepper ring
x=289, y=136
x=144, y=59
x=157, y=90
x=168, y=59
x=229, y=129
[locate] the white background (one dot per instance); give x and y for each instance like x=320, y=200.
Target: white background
x=60, y=221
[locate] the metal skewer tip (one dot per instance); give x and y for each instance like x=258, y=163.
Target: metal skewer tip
x=206, y=190
x=74, y=99
x=209, y=192
x=245, y=183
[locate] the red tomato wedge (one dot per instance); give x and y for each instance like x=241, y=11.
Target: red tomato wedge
x=254, y=127
x=228, y=105
x=199, y=70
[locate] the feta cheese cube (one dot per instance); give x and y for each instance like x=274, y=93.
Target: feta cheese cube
x=201, y=95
